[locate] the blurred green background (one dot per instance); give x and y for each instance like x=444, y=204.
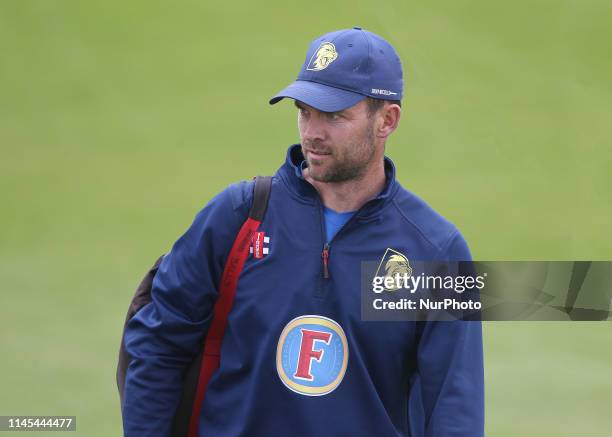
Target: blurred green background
x=119, y=120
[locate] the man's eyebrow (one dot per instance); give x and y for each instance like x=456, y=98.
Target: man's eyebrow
x=299, y=105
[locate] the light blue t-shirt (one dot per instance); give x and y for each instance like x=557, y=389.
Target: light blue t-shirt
x=334, y=221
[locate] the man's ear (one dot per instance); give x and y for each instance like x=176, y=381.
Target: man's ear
x=389, y=117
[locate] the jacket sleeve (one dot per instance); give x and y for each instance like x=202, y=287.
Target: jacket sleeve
x=166, y=334
x=450, y=367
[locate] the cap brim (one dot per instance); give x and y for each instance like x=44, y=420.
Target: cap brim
x=322, y=97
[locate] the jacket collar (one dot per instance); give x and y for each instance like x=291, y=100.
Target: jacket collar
x=291, y=173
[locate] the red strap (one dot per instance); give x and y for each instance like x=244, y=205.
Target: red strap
x=223, y=306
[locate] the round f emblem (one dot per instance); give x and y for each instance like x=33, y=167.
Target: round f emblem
x=312, y=355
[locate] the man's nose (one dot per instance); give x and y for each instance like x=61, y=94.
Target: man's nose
x=313, y=129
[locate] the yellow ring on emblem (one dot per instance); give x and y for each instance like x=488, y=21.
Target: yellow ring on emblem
x=299, y=388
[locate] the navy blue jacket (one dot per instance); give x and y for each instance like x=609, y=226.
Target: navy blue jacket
x=296, y=358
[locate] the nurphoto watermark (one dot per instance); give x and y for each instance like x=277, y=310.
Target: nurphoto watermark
x=396, y=288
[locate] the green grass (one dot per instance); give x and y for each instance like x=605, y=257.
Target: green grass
x=119, y=120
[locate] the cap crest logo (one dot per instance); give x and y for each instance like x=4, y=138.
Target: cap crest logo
x=325, y=55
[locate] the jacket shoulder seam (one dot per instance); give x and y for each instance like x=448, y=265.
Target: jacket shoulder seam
x=438, y=248
x=449, y=240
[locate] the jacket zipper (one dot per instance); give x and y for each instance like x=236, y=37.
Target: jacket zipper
x=325, y=256
x=326, y=245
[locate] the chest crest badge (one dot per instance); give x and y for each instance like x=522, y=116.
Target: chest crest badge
x=393, y=263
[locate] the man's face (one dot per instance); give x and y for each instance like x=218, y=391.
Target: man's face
x=338, y=146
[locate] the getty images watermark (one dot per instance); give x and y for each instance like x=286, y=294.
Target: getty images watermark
x=421, y=286
x=394, y=288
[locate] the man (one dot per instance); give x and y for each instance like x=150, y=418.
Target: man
x=296, y=357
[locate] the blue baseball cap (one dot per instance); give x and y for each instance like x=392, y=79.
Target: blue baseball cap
x=344, y=67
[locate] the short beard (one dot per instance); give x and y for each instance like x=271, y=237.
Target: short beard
x=350, y=169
